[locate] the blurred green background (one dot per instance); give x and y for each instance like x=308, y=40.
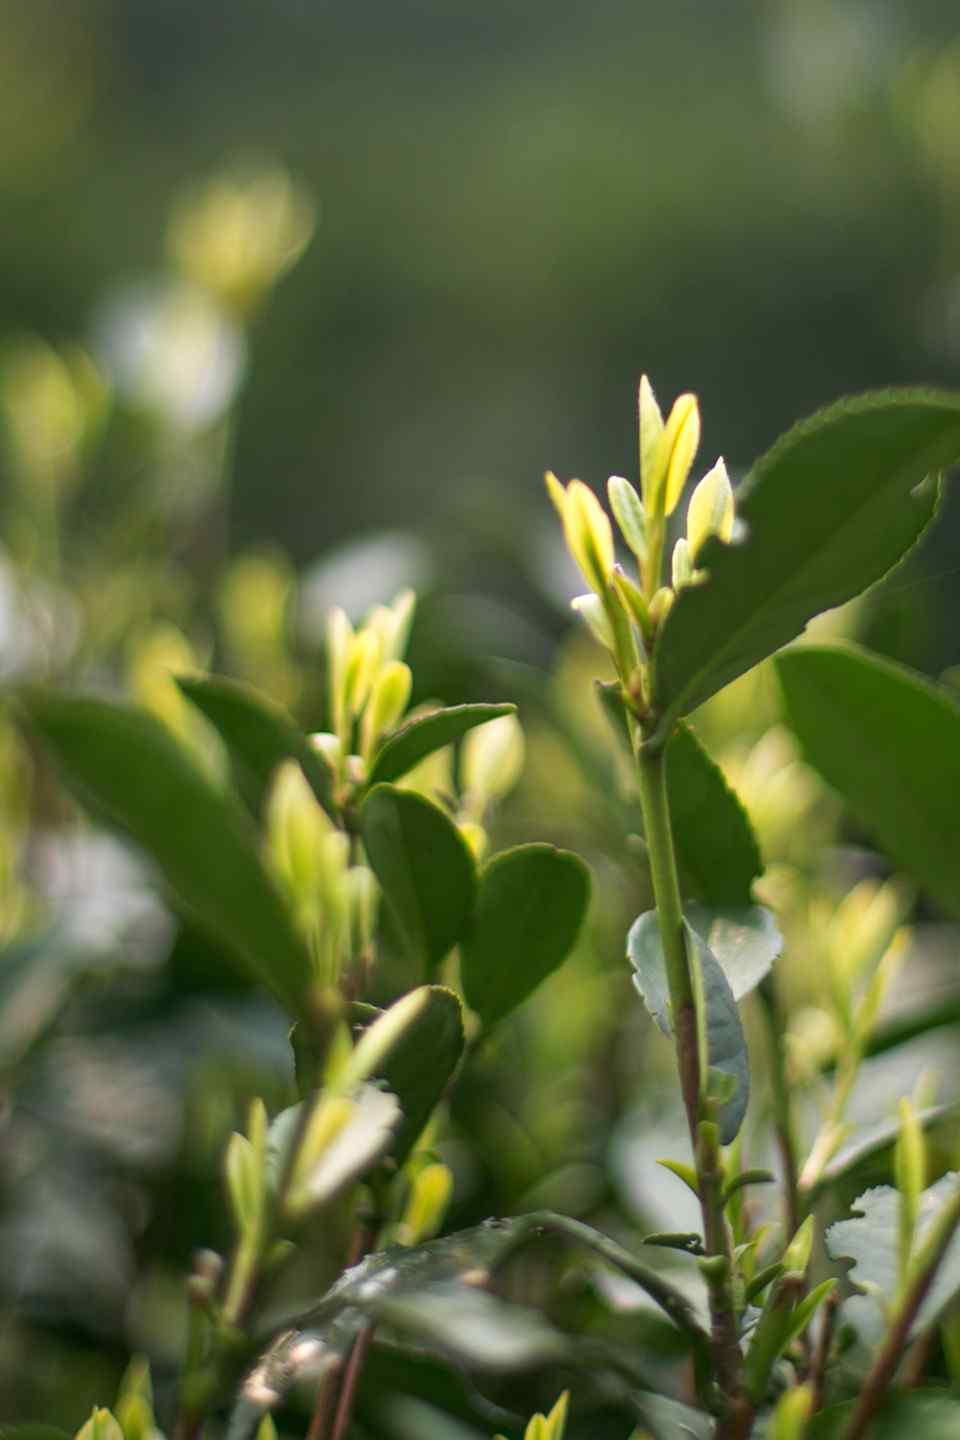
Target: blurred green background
x=318, y=288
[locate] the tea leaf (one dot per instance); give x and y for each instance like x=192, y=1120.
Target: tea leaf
x=530, y=906
x=407, y=746
x=827, y=512
x=424, y=867
x=923, y=1415
x=421, y=1063
x=716, y=846
x=259, y=736
x=889, y=741
x=133, y=774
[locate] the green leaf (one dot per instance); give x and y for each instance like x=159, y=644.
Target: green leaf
x=472, y=1327
x=826, y=513
x=530, y=906
x=716, y=847
x=889, y=742
x=870, y=1144
x=922, y=1415
x=407, y=746
x=726, y=1046
x=421, y=1064
x=131, y=772
x=745, y=941
x=424, y=867
x=259, y=736
x=870, y=1240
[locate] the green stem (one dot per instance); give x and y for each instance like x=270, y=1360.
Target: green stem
x=782, y=1106
x=728, y=1362
x=652, y=770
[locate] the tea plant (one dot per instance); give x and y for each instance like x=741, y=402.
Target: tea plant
x=316, y=861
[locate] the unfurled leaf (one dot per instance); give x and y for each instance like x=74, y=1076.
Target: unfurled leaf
x=530, y=906
x=871, y=1240
x=745, y=941
x=259, y=737
x=889, y=742
x=419, y=1066
x=419, y=738
x=472, y=1327
x=826, y=513
x=716, y=847
x=726, y=1046
x=133, y=774
x=424, y=867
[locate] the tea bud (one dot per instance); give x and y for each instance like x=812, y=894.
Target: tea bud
x=711, y=509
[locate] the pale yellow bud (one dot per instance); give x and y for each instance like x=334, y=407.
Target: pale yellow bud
x=910, y=1175
x=297, y=830
x=244, y=1182
x=651, y=428
x=794, y=1409
x=681, y=565
x=591, y=611
x=362, y=662
x=796, y=1257
x=426, y=1208
x=556, y=492
x=100, y=1426
x=491, y=761
x=589, y=535
x=661, y=604
x=339, y=639
x=677, y=449
x=711, y=509
x=627, y=510
x=388, y=700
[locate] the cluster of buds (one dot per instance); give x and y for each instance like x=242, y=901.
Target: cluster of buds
x=368, y=684
x=623, y=612
x=334, y=902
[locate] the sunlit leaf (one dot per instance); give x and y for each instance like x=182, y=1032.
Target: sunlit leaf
x=530, y=906
x=424, y=867
x=826, y=513
x=889, y=742
x=132, y=773
x=413, y=742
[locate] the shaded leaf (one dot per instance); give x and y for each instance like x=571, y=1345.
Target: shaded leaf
x=130, y=770
x=421, y=1063
x=424, y=867
x=472, y=1327
x=923, y=1415
x=889, y=742
x=406, y=747
x=826, y=512
x=726, y=1046
x=872, y=1141
x=667, y=1419
x=259, y=736
x=716, y=847
x=744, y=940
x=870, y=1240
x=717, y=851
x=530, y=906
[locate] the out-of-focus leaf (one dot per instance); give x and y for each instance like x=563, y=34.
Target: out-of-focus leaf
x=870, y=1240
x=421, y=1064
x=133, y=774
x=424, y=867
x=667, y=1419
x=472, y=1327
x=406, y=747
x=717, y=851
x=726, y=1045
x=922, y=1415
x=351, y=1152
x=259, y=736
x=716, y=847
x=889, y=742
x=744, y=940
x=826, y=513
x=530, y=906
x=868, y=1146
